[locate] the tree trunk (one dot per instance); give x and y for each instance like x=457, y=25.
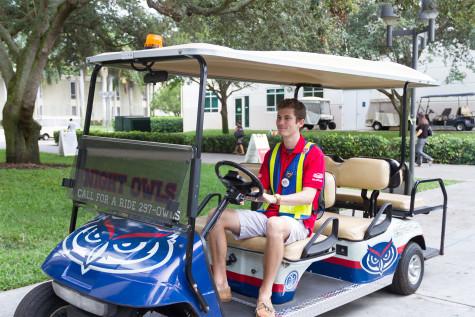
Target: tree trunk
x=21, y=134
x=224, y=115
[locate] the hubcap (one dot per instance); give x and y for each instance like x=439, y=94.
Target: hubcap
x=414, y=269
x=60, y=312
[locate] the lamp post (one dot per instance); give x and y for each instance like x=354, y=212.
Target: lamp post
x=428, y=12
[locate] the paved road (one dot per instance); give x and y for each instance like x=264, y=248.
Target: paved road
x=447, y=288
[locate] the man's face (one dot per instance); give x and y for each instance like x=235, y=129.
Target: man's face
x=287, y=123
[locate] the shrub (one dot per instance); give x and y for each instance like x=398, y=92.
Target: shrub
x=443, y=148
x=166, y=124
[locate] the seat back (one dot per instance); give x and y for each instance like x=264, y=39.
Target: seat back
x=362, y=173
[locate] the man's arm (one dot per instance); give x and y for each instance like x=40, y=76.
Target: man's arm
x=305, y=197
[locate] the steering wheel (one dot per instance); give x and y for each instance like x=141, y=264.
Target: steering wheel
x=232, y=180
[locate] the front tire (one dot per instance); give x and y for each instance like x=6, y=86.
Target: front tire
x=322, y=125
x=410, y=270
x=41, y=302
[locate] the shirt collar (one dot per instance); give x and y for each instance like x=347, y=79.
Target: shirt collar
x=299, y=147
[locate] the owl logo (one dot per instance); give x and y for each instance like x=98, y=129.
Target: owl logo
x=379, y=258
x=119, y=246
x=291, y=281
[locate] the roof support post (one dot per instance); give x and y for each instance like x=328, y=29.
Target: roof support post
x=194, y=185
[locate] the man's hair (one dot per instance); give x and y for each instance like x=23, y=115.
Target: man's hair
x=299, y=108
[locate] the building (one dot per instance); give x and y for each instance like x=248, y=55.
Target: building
x=66, y=98
x=255, y=106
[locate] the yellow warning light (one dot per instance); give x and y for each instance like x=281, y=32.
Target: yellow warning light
x=153, y=41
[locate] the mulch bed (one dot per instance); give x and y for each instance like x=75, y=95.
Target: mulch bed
x=32, y=166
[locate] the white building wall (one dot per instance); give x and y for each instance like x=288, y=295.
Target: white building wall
x=54, y=104
x=346, y=107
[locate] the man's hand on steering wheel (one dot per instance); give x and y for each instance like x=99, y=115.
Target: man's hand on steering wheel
x=238, y=189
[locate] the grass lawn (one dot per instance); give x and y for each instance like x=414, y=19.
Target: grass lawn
x=34, y=216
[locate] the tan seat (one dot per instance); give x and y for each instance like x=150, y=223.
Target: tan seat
x=292, y=252
x=398, y=202
x=349, y=228
x=356, y=174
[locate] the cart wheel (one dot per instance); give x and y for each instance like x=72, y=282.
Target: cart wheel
x=377, y=126
x=332, y=125
x=308, y=126
x=410, y=271
x=45, y=137
x=322, y=126
x=41, y=302
x=460, y=126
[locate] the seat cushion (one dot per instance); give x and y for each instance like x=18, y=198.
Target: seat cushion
x=398, y=202
x=292, y=251
x=349, y=228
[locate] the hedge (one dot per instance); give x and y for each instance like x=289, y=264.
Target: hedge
x=444, y=149
x=166, y=124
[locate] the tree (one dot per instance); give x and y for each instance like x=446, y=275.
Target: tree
x=38, y=36
x=263, y=25
x=168, y=99
x=364, y=36
x=26, y=41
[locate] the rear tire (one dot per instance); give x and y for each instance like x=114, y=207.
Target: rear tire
x=332, y=125
x=322, y=126
x=308, y=126
x=460, y=126
x=41, y=302
x=45, y=137
x=377, y=126
x=410, y=271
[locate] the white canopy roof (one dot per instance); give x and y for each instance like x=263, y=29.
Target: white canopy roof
x=279, y=67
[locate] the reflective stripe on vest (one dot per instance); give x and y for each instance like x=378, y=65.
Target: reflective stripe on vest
x=294, y=174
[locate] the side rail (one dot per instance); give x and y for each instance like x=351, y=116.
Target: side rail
x=314, y=249
x=426, y=210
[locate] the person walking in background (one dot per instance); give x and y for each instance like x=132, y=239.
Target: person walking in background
x=239, y=135
x=423, y=131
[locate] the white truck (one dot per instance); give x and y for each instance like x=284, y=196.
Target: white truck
x=318, y=113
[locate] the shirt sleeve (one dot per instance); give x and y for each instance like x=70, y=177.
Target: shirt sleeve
x=264, y=172
x=314, y=169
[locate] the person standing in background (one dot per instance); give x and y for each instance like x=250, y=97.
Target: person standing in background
x=423, y=131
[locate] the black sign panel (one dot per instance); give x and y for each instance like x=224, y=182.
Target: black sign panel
x=133, y=179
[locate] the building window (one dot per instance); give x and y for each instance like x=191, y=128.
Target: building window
x=73, y=90
x=313, y=92
x=274, y=97
x=117, y=110
x=117, y=94
x=211, y=102
x=74, y=110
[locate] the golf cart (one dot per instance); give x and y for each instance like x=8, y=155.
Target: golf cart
x=318, y=113
x=462, y=120
x=145, y=252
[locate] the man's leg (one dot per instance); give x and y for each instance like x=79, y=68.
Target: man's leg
x=217, y=243
x=278, y=230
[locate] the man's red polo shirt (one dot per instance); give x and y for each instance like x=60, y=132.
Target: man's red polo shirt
x=313, y=175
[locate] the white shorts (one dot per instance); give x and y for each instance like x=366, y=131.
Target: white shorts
x=254, y=224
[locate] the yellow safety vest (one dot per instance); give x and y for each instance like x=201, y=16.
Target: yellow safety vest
x=294, y=177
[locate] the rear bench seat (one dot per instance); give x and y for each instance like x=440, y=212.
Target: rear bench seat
x=293, y=251
x=360, y=177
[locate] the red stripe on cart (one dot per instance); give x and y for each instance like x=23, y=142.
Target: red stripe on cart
x=343, y=262
x=254, y=281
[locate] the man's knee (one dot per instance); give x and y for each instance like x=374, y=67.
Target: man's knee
x=277, y=227
x=228, y=219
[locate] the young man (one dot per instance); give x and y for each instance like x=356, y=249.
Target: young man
x=292, y=175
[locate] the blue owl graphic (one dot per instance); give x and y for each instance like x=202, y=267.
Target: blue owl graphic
x=379, y=258
x=120, y=246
